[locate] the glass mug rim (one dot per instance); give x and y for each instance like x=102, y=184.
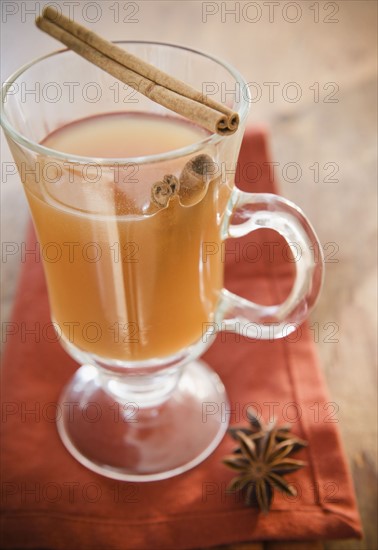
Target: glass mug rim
x=241, y=106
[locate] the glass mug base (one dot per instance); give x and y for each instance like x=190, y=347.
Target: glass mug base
x=121, y=440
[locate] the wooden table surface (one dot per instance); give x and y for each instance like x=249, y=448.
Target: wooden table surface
x=323, y=55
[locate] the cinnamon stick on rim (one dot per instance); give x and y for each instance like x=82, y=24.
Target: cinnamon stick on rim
x=140, y=75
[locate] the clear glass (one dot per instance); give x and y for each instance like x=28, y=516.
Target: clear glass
x=132, y=295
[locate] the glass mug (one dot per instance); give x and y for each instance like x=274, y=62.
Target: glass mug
x=131, y=291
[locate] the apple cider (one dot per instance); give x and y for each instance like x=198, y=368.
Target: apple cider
x=127, y=279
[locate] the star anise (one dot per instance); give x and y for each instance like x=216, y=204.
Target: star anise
x=262, y=459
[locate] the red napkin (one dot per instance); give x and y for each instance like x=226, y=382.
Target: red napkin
x=50, y=501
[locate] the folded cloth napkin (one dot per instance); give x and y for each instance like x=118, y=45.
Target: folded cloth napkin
x=50, y=501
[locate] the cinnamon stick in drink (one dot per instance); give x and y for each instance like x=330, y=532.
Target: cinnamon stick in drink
x=140, y=75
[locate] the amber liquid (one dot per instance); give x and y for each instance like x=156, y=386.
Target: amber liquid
x=126, y=280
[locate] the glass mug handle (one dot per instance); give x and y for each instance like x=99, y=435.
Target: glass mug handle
x=265, y=210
